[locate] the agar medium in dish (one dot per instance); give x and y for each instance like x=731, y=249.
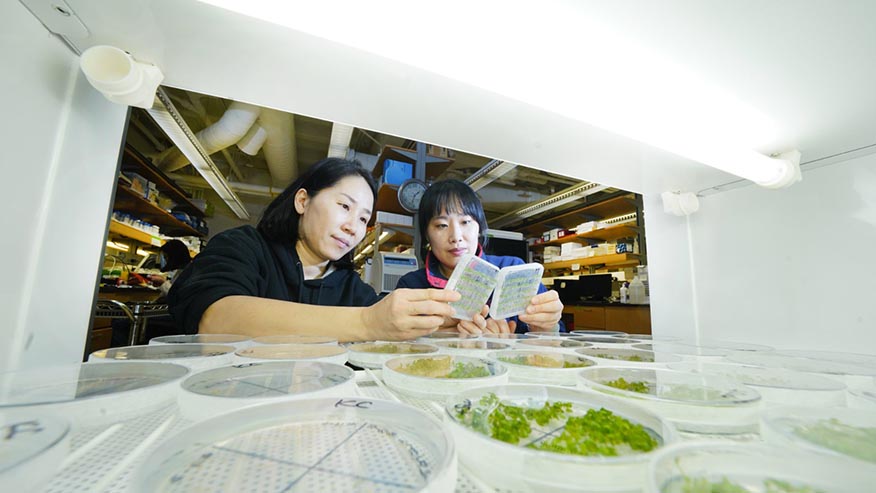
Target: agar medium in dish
x=373, y=354
x=221, y=390
x=339, y=444
x=328, y=353
x=194, y=356
x=546, y=367
x=547, y=438
x=693, y=402
x=92, y=394
x=440, y=376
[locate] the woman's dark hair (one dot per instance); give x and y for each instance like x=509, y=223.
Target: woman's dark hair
x=279, y=222
x=449, y=196
x=176, y=255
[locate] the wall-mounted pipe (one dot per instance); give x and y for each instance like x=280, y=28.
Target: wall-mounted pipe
x=119, y=77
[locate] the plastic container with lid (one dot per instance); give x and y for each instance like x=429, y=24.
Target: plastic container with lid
x=637, y=292
x=336, y=444
x=221, y=390
x=518, y=467
x=545, y=367
x=328, y=353
x=373, y=354
x=693, y=402
x=777, y=387
x=194, y=356
x=754, y=468
x=849, y=433
x=440, y=376
x=237, y=341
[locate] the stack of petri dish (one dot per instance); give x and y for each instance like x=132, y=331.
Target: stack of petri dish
x=695, y=403
x=442, y=375
x=547, y=438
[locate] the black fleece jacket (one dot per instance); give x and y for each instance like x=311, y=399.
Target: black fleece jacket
x=241, y=261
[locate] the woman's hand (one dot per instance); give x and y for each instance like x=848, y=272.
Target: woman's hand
x=501, y=326
x=408, y=313
x=544, y=311
x=477, y=325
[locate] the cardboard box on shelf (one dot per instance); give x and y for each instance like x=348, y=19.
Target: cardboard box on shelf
x=567, y=248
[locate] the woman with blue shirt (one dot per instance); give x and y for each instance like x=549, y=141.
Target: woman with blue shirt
x=452, y=224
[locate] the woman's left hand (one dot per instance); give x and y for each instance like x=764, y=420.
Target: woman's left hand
x=544, y=311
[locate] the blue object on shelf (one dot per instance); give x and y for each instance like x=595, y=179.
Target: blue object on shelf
x=396, y=172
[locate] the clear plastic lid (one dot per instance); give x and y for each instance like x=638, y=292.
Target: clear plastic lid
x=439, y=376
x=552, y=343
x=775, y=385
x=194, y=356
x=557, y=447
x=550, y=334
x=295, y=339
x=446, y=334
x=864, y=398
x=683, y=348
x=33, y=447
x=91, y=394
x=602, y=340
x=229, y=339
x=752, y=468
x=295, y=352
x=374, y=354
x=221, y=390
x=547, y=367
x=627, y=357
x=338, y=444
x=841, y=431
x=695, y=402
x=600, y=333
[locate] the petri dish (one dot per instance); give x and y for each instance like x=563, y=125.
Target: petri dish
x=652, y=337
x=862, y=398
x=507, y=338
x=33, y=447
x=851, y=372
x=850, y=433
x=695, y=403
x=193, y=356
x=537, y=344
x=295, y=339
x=225, y=389
x=446, y=334
x=373, y=354
x=92, y=394
x=600, y=333
x=474, y=348
x=602, y=340
x=540, y=366
x=752, y=468
x=337, y=444
x=519, y=466
x=550, y=334
x=733, y=345
x=237, y=341
x=685, y=349
x=440, y=376
x=777, y=387
x=628, y=357
x=293, y=352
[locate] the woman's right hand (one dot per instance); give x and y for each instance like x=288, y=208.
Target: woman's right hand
x=408, y=313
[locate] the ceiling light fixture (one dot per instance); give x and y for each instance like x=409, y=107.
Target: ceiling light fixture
x=168, y=118
x=489, y=173
x=571, y=194
x=339, y=143
x=117, y=246
x=576, y=66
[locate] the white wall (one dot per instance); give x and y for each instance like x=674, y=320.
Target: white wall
x=60, y=145
x=768, y=266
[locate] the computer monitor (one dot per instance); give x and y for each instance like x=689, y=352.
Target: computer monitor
x=594, y=286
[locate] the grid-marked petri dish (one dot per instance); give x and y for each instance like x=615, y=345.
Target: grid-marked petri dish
x=440, y=376
x=849, y=433
x=194, y=356
x=541, y=366
x=337, y=444
x=600, y=333
x=91, y=394
x=221, y=390
x=329, y=353
x=475, y=348
x=752, y=468
x=690, y=351
x=776, y=386
x=516, y=463
x=628, y=357
x=33, y=447
x=295, y=339
x=238, y=341
x=696, y=403
x=373, y=354
x=854, y=372
x=538, y=344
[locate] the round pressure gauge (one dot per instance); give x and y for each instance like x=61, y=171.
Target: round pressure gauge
x=409, y=194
